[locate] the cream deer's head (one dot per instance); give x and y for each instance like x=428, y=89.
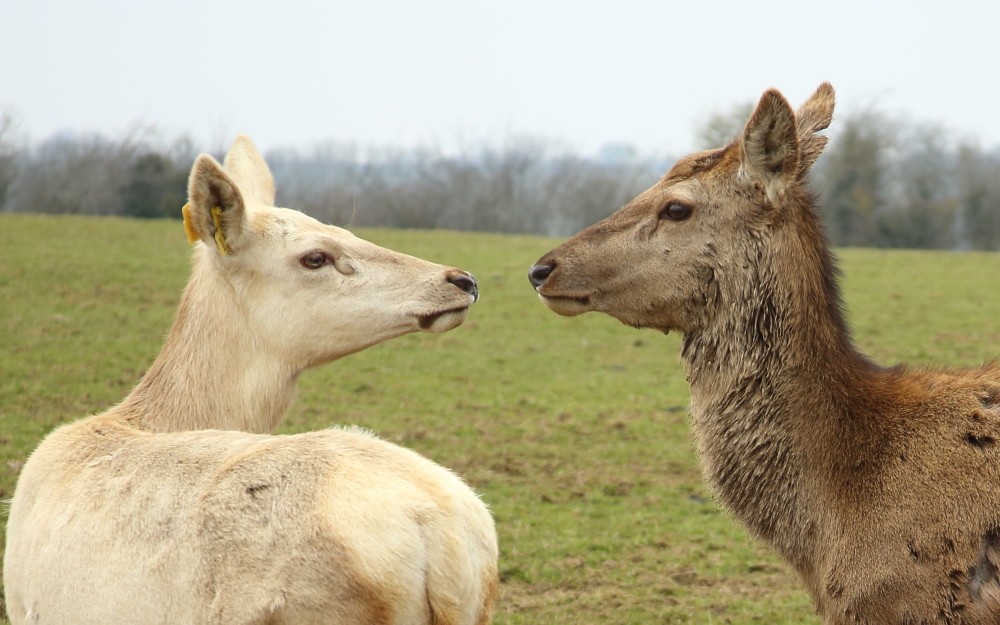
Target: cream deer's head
x=312, y=292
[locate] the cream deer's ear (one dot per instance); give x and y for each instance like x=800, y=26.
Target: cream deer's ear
x=770, y=145
x=215, y=211
x=247, y=167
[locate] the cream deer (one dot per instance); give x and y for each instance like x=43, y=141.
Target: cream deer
x=881, y=487
x=176, y=507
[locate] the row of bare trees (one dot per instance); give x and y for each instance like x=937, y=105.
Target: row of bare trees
x=89, y=174
x=882, y=182
x=522, y=187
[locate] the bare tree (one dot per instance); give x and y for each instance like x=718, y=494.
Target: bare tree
x=978, y=180
x=852, y=175
x=522, y=186
x=721, y=127
x=9, y=150
x=83, y=174
x=922, y=205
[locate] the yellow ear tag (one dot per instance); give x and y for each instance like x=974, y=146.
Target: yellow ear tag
x=220, y=236
x=188, y=228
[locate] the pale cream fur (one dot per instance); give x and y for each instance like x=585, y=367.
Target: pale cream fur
x=176, y=506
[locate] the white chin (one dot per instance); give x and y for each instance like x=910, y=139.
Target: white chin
x=566, y=306
x=443, y=322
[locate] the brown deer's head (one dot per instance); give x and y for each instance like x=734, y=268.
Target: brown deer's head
x=692, y=243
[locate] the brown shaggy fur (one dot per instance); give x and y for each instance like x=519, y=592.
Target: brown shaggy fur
x=881, y=487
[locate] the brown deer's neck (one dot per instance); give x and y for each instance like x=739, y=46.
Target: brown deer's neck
x=212, y=372
x=773, y=375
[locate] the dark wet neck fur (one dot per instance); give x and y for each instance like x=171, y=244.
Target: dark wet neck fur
x=773, y=369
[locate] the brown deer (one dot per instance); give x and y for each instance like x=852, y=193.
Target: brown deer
x=881, y=487
x=176, y=507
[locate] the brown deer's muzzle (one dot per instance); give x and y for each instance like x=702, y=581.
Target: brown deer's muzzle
x=538, y=274
x=568, y=304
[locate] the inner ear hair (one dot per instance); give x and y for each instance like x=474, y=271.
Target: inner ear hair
x=770, y=140
x=770, y=147
x=215, y=206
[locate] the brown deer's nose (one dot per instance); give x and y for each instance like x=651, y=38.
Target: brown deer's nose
x=538, y=274
x=466, y=282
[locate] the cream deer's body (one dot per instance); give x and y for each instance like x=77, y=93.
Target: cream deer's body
x=881, y=487
x=176, y=506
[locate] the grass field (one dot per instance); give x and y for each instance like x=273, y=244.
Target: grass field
x=573, y=430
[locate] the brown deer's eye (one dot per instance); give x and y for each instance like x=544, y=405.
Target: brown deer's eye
x=313, y=260
x=675, y=211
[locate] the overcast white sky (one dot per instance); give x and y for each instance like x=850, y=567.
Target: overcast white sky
x=295, y=73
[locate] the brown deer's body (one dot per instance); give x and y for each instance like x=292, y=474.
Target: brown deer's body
x=881, y=487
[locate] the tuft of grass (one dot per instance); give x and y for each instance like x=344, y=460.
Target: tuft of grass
x=573, y=430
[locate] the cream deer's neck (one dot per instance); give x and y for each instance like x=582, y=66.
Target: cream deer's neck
x=213, y=371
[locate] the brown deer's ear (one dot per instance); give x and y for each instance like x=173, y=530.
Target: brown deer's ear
x=215, y=209
x=813, y=116
x=247, y=167
x=770, y=144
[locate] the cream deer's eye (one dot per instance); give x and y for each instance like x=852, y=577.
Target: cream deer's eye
x=313, y=260
x=675, y=211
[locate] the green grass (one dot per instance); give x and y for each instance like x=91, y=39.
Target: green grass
x=574, y=430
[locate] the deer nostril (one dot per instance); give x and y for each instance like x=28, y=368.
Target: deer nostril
x=466, y=282
x=538, y=274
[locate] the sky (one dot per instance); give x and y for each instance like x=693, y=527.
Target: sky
x=454, y=74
